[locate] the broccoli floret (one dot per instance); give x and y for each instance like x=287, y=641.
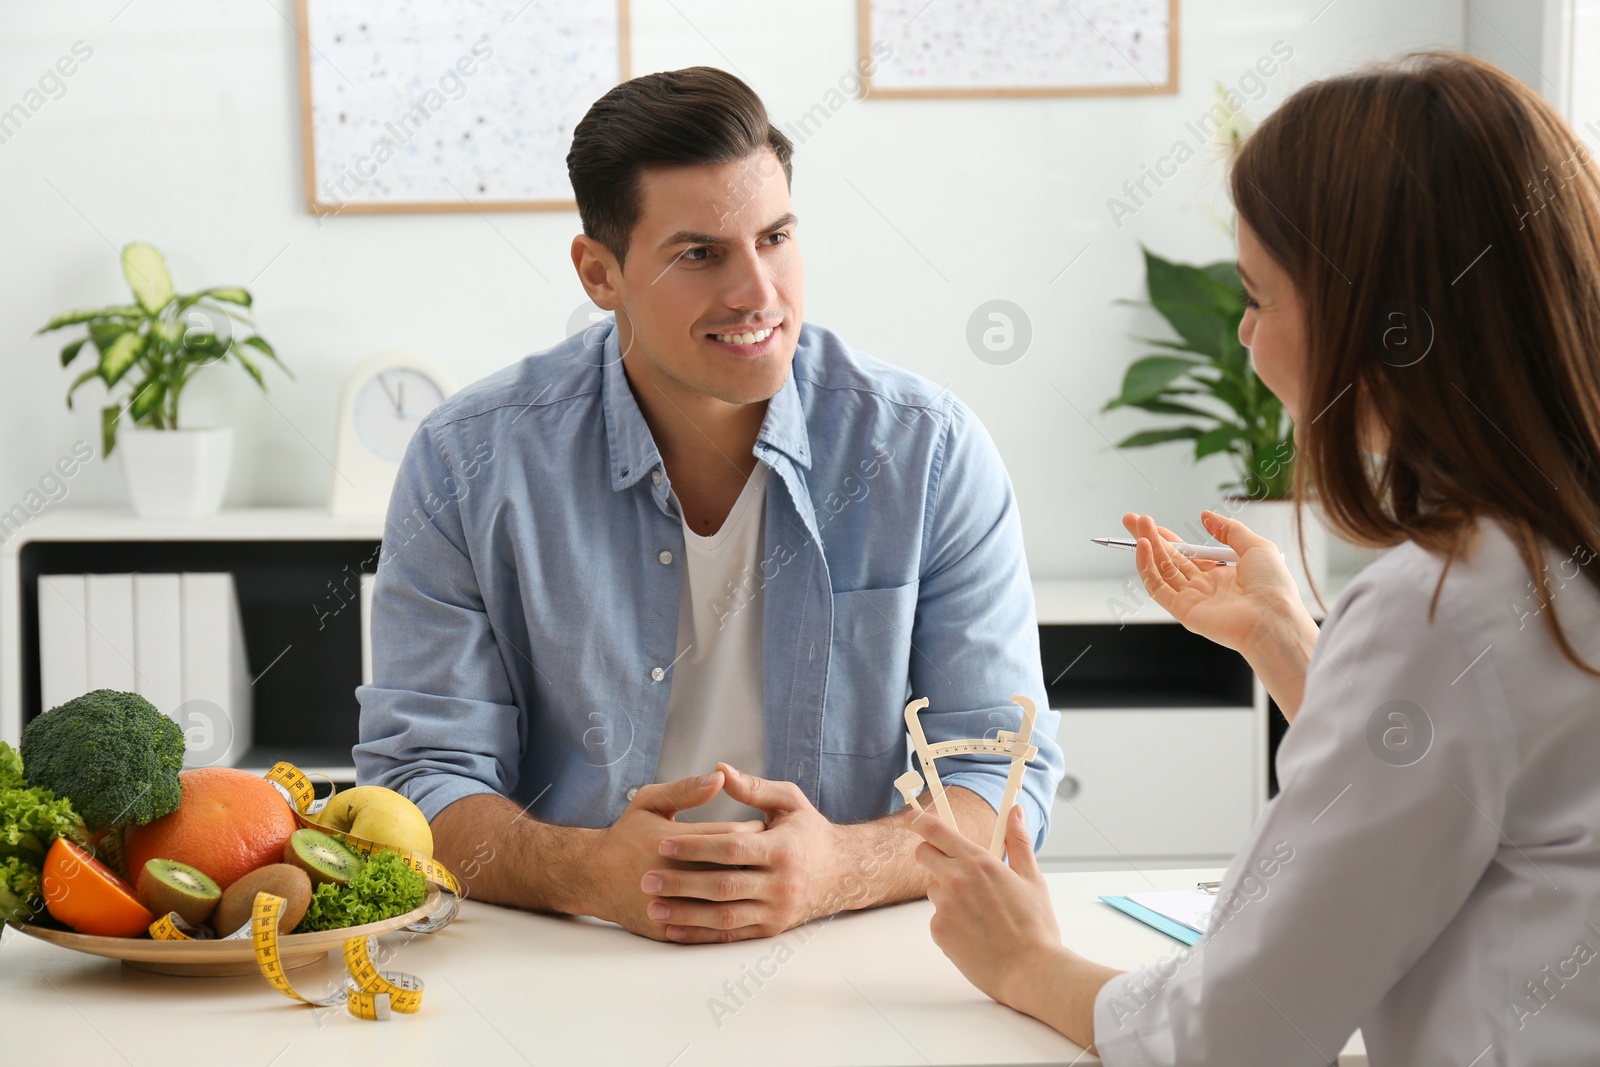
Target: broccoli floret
x=112, y=754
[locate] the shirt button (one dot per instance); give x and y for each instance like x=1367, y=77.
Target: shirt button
x=655, y=476
x=633, y=792
x=657, y=674
x=665, y=557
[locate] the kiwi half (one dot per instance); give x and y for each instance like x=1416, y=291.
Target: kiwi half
x=325, y=859
x=166, y=886
x=279, y=879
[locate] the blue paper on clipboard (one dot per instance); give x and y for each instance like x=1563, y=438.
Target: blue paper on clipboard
x=1182, y=914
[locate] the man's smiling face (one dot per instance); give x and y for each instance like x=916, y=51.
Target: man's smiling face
x=712, y=290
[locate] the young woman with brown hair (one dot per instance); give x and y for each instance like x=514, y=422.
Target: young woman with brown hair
x=1420, y=246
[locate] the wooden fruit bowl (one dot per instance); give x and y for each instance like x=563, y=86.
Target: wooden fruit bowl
x=219, y=958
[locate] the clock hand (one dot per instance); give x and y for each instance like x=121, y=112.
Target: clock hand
x=385, y=386
x=400, y=404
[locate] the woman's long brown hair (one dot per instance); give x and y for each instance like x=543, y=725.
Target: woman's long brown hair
x=1441, y=225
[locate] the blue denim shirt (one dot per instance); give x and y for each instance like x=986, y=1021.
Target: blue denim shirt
x=525, y=617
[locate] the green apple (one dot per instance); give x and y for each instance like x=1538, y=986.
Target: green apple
x=380, y=815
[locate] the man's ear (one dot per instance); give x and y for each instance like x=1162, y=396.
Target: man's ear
x=598, y=271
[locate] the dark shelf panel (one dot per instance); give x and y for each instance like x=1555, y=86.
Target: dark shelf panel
x=1151, y=665
x=304, y=657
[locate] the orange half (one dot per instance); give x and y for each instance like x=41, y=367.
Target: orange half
x=87, y=895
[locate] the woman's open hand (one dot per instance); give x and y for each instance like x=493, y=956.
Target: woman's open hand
x=1230, y=605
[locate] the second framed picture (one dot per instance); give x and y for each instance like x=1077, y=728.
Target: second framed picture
x=967, y=48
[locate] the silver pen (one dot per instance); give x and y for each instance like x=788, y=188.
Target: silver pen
x=1213, y=553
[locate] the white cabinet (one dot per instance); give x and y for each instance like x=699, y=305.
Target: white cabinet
x=1165, y=735
x=1165, y=783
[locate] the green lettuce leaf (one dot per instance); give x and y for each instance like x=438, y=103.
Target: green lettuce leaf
x=31, y=818
x=20, y=895
x=387, y=886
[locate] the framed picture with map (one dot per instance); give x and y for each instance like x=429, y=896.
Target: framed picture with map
x=413, y=106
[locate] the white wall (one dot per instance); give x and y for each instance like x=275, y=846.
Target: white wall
x=1583, y=107
x=182, y=129
x=1527, y=38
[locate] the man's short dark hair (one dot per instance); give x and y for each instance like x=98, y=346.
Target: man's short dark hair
x=698, y=116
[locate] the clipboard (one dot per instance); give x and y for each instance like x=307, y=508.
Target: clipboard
x=1181, y=914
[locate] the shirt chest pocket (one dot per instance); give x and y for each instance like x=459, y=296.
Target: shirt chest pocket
x=869, y=669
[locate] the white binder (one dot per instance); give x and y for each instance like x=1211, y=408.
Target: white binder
x=175, y=639
x=217, y=713
x=63, y=639
x=157, y=644
x=109, y=599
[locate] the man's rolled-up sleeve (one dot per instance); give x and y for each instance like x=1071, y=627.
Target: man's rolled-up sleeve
x=438, y=722
x=976, y=639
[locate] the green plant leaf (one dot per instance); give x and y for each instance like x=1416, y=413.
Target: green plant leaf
x=1227, y=390
x=202, y=299
x=82, y=315
x=170, y=333
x=1168, y=407
x=1148, y=377
x=260, y=344
x=1191, y=301
x=227, y=294
x=108, y=428
x=1225, y=274
x=1269, y=475
x=1204, y=305
x=70, y=352
x=1159, y=437
x=120, y=357
x=105, y=334
x=196, y=347
x=146, y=397
x=1174, y=346
x=1220, y=439
x=92, y=372
x=249, y=366
x=146, y=271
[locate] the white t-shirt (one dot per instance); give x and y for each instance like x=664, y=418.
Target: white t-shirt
x=714, y=711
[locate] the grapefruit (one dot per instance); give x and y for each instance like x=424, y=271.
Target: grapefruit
x=228, y=823
x=82, y=892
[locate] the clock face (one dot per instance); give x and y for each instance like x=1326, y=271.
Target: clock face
x=389, y=407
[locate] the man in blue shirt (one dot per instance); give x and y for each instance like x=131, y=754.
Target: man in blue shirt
x=651, y=603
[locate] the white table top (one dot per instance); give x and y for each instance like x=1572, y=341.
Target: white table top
x=508, y=987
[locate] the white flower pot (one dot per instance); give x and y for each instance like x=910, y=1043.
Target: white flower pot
x=175, y=473
x=1274, y=520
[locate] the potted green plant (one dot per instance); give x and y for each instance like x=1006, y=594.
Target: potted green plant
x=148, y=352
x=1205, y=379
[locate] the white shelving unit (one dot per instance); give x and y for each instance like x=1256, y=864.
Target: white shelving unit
x=88, y=535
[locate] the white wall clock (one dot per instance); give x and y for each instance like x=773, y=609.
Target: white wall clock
x=381, y=404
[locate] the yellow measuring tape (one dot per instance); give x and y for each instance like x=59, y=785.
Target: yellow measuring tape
x=108, y=850
x=302, y=794
x=368, y=993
